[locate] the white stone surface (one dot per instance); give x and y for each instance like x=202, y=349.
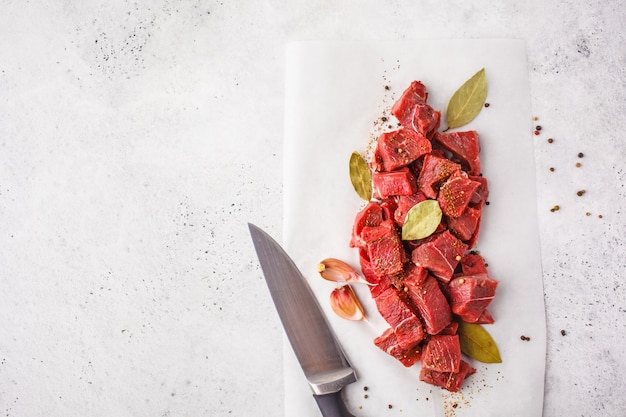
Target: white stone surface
x=136, y=141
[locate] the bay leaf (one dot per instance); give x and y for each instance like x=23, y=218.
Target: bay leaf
x=421, y=220
x=477, y=343
x=360, y=176
x=467, y=101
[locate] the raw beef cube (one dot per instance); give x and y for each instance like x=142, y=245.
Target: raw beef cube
x=388, y=342
x=442, y=354
x=450, y=381
x=455, y=194
x=485, y=318
x=465, y=225
x=399, y=182
x=482, y=192
x=389, y=206
x=413, y=112
x=440, y=255
x=405, y=203
x=383, y=284
x=450, y=329
x=425, y=296
x=434, y=171
x=384, y=248
x=471, y=294
x=463, y=145
x=366, y=268
x=399, y=148
x=472, y=263
x=371, y=215
x=405, y=324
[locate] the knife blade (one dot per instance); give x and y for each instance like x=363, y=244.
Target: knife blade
x=320, y=355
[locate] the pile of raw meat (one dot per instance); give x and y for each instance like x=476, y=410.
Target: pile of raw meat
x=423, y=287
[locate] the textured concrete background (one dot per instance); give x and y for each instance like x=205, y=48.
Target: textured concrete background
x=136, y=141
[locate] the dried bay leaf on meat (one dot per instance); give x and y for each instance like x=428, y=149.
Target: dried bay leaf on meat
x=422, y=220
x=477, y=343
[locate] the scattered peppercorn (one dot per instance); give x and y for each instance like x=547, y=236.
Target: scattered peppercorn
x=365, y=388
x=486, y=203
x=390, y=406
x=537, y=127
x=587, y=214
x=524, y=338
x=535, y=118
x=563, y=332
x=550, y=140
x=551, y=169
x=555, y=208
x=486, y=104
x=578, y=164
x=580, y=193
x=599, y=216
x=384, y=118
x=580, y=154
x=536, y=132
x=366, y=396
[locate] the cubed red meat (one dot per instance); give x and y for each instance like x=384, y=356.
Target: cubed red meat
x=399, y=148
x=485, y=318
x=442, y=354
x=370, y=215
x=450, y=329
x=471, y=294
x=405, y=203
x=435, y=170
x=427, y=299
x=450, y=381
x=383, y=284
x=480, y=195
x=406, y=326
x=465, y=146
x=366, y=268
x=388, y=342
x=414, y=113
x=465, y=225
x=440, y=255
x=389, y=206
x=384, y=248
x=472, y=263
x=455, y=194
x=399, y=182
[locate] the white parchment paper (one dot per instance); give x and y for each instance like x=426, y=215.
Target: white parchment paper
x=335, y=101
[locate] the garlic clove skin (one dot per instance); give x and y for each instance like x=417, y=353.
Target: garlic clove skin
x=345, y=303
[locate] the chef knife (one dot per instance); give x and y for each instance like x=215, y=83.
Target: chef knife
x=324, y=364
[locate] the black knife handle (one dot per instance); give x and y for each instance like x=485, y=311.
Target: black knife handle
x=332, y=405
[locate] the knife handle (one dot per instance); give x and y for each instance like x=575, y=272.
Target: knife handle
x=332, y=405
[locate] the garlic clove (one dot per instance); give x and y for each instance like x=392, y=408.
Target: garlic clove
x=345, y=303
x=336, y=270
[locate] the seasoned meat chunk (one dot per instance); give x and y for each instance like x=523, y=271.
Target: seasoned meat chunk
x=414, y=113
x=442, y=354
x=399, y=148
x=471, y=294
x=394, y=183
x=405, y=324
x=440, y=255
